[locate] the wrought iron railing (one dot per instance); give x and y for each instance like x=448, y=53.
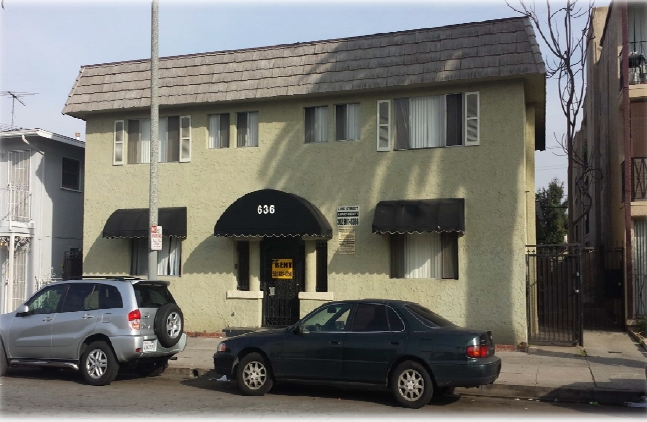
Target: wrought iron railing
x=15, y=204
x=639, y=179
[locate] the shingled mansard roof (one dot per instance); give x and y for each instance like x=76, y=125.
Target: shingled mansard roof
x=491, y=49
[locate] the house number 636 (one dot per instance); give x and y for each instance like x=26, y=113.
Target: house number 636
x=266, y=209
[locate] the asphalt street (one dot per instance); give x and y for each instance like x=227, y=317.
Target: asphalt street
x=62, y=394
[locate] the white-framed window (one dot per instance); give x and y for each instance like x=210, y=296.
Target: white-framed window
x=247, y=129
x=347, y=126
x=118, y=143
x=424, y=255
x=174, y=140
x=316, y=124
x=429, y=122
x=168, y=259
x=384, y=125
x=71, y=174
x=219, y=130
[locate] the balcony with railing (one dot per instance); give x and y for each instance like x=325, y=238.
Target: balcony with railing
x=15, y=205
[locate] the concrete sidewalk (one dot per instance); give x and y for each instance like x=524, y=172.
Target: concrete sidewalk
x=609, y=369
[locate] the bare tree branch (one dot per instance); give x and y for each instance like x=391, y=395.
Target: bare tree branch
x=567, y=63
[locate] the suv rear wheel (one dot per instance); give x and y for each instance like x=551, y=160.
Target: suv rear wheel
x=98, y=364
x=168, y=325
x=153, y=368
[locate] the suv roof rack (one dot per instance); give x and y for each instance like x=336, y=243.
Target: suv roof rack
x=104, y=277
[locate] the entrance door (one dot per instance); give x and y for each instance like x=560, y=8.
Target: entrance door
x=282, y=278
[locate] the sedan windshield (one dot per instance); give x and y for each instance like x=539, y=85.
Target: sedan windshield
x=428, y=317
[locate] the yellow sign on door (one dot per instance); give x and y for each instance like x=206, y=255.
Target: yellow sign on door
x=282, y=268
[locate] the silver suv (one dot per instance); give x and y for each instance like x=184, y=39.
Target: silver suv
x=96, y=326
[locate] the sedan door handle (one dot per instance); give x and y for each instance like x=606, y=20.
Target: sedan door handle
x=337, y=343
x=395, y=343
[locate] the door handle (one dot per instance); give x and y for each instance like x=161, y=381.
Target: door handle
x=337, y=343
x=47, y=319
x=395, y=343
x=88, y=316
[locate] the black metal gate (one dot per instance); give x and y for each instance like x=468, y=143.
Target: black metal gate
x=553, y=285
x=281, y=287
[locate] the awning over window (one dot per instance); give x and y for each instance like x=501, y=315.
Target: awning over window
x=272, y=213
x=417, y=216
x=134, y=222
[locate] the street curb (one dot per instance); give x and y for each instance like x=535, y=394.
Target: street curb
x=559, y=394
x=553, y=394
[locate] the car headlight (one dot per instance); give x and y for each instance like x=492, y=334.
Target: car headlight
x=222, y=347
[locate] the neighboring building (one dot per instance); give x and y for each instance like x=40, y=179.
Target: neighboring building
x=613, y=139
x=41, y=174
x=396, y=165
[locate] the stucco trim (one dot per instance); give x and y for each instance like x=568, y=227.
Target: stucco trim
x=322, y=296
x=243, y=294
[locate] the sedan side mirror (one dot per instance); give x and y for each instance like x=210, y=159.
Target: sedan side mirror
x=23, y=310
x=297, y=329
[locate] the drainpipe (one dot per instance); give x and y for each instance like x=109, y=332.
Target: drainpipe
x=626, y=126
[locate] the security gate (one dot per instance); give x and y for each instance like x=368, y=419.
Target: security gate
x=282, y=266
x=553, y=286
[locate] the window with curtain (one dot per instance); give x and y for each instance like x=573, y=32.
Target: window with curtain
x=247, y=129
x=174, y=136
x=432, y=122
x=316, y=124
x=347, y=122
x=168, y=259
x=219, y=131
x=424, y=255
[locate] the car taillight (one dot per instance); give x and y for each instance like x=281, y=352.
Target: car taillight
x=134, y=319
x=480, y=351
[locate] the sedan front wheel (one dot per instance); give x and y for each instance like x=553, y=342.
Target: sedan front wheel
x=411, y=385
x=253, y=375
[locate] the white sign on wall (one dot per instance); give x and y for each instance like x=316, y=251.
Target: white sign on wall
x=348, y=215
x=156, y=238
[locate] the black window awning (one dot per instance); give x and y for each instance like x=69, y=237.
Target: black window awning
x=272, y=213
x=134, y=222
x=418, y=216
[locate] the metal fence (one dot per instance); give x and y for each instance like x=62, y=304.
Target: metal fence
x=553, y=294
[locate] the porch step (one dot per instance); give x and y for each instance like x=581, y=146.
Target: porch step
x=236, y=331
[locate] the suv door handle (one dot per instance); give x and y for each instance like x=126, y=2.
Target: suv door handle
x=88, y=316
x=47, y=319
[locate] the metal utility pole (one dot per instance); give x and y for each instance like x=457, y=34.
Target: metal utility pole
x=154, y=159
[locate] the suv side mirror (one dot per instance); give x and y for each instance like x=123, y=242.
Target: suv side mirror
x=23, y=310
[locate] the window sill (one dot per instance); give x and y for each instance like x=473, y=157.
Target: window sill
x=244, y=294
x=71, y=190
x=322, y=296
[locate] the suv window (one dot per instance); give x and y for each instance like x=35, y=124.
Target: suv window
x=80, y=297
x=47, y=301
x=110, y=298
x=152, y=295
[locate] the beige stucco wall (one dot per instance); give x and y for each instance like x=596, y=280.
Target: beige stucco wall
x=496, y=179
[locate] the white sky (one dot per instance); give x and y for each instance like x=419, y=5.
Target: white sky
x=44, y=44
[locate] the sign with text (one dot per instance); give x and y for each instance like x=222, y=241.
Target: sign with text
x=346, y=239
x=282, y=268
x=348, y=215
x=156, y=238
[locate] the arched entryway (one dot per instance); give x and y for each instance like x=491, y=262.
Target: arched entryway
x=280, y=228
